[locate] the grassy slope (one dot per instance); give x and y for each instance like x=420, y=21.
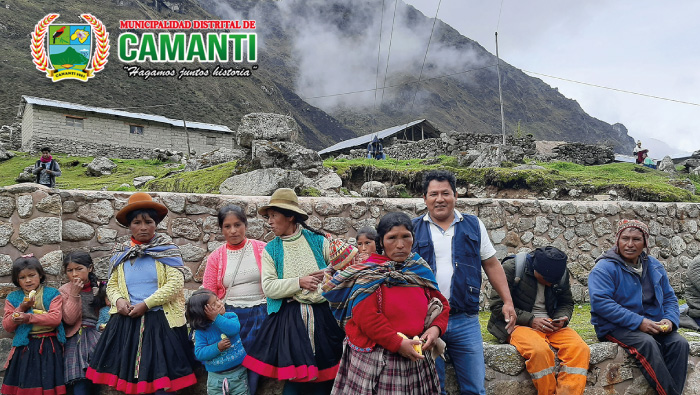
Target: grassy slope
x=649, y=185
x=643, y=184
x=211, y=100
x=73, y=173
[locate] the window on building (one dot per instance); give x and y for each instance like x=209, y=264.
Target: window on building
x=74, y=122
x=211, y=140
x=135, y=129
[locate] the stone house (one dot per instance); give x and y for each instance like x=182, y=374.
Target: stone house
x=92, y=131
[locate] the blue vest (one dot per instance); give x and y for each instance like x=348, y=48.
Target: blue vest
x=276, y=251
x=466, y=260
x=22, y=333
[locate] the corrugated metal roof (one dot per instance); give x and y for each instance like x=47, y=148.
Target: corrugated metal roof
x=363, y=140
x=119, y=113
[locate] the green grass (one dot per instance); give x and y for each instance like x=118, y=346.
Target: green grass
x=640, y=183
x=341, y=166
x=580, y=322
x=73, y=173
x=198, y=181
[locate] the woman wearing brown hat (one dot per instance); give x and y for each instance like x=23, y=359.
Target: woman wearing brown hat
x=300, y=340
x=145, y=348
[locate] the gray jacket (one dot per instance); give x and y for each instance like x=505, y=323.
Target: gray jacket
x=53, y=167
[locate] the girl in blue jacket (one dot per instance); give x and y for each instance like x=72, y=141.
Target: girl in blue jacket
x=217, y=343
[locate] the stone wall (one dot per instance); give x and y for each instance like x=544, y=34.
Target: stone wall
x=584, y=154
x=451, y=143
x=612, y=371
x=102, y=135
x=48, y=222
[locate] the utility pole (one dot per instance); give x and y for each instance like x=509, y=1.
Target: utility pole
x=500, y=93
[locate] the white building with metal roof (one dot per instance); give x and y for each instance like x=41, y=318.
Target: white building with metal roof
x=91, y=131
x=412, y=131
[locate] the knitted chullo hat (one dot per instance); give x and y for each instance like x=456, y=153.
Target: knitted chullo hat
x=632, y=223
x=550, y=263
x=341, y=254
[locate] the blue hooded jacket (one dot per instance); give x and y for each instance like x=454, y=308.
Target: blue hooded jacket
x=616, y=294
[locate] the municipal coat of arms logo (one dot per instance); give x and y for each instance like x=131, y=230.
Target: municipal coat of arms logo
x=70, y=51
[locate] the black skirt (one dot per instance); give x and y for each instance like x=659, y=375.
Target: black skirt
x=301, y=343
x=137, y=359
x=36, y=368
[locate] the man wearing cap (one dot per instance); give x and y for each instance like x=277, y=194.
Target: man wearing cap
x=544, y=305
x=457, y=247
x=633, y=305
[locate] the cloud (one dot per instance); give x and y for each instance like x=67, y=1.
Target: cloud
x=335, y=46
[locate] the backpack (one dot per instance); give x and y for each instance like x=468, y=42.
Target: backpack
x=520, y=262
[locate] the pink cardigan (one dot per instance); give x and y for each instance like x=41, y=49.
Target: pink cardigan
x=72, y=311
x=213, y=278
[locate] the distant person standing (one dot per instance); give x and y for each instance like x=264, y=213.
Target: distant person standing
x=639, y=153
x=46, y=169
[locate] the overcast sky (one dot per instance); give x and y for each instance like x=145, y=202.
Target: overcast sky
x=644, y=46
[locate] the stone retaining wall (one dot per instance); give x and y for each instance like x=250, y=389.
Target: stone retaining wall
x=48, y=222
x=451, y=143
x=584, y=154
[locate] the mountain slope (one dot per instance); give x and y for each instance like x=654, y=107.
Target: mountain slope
x=311, y=54
x=212, y=100
x=328, y=48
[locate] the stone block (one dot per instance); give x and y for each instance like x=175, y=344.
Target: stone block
x=336, y=225
x=70, y=207
x=373, y=189
x=106, y=235
x=52, y=262
x=602, y=351
x=25, y=206
x=358, y=209
x=174, y=203
x=615, y=373
x=7, y=206
x=6, y=231
x=504, y=358
x=192, y=253
x=97, y=213
x=185, y=227
x=77, y=231
x=41, y=231
x=5, y=265
x=50, y=204
x=196, y=209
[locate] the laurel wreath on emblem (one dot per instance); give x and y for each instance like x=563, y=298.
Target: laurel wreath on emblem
x=101, y=42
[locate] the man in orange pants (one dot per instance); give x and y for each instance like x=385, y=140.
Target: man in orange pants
x=543, y=303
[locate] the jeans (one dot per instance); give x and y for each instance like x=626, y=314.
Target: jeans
x=466, y=349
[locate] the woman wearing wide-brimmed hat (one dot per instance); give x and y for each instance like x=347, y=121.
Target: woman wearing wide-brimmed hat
x=145, y=347
x=300, y=340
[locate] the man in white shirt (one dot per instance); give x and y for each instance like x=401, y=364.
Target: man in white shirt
x=457, y=247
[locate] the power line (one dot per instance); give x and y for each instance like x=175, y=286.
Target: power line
x=379, y=51
x=401, y=84
x=420, y=76
x=613, y=89
x=499, y=16
x=388, y=55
